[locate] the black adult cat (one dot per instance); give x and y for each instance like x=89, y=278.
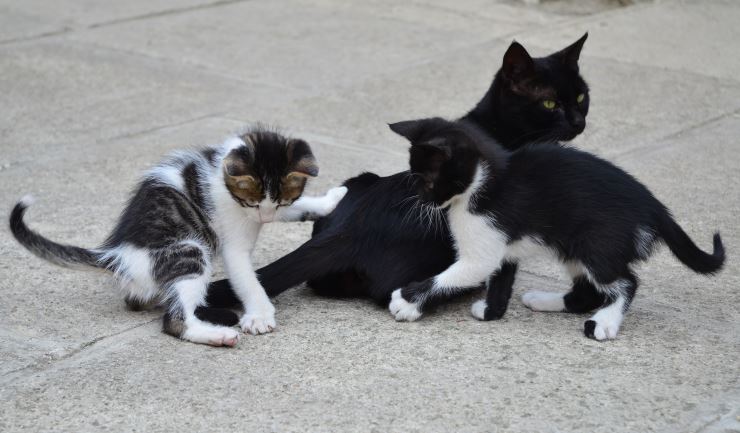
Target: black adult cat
x=380, y=237
x=594, y=218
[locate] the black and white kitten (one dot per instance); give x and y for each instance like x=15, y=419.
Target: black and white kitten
x=594, y=218
x=188, y=208
x=380, y=237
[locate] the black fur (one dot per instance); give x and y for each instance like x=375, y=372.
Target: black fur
x=377, y=238
x=581, y=207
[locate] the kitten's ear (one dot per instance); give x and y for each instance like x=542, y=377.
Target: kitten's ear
x=572, y=53
x=409, y=129
x=413, y=130
x=236, y=171
x=301, y=162
x=517, y=65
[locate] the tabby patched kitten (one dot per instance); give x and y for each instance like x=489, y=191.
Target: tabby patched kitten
x=591, y=216
x=188, y=208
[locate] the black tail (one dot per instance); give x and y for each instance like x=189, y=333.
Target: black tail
x=62, y=255
x=685, y=250
x=317, y=257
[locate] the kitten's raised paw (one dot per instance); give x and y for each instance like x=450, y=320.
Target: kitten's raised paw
x=401, y=309
x=256, y=324
x=543, y=301
x=335, y=195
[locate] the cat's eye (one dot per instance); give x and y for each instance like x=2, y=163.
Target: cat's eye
x=549, y=104
x=580, y=98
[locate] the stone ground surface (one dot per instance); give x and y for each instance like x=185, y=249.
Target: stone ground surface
x=93, y=92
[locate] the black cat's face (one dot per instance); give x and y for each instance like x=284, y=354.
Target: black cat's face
x=544, y=98
x=442, y=158
x=267, y=171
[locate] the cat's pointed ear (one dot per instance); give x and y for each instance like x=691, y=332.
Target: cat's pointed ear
x=301, y=162
x=413, y=130
x=409, y=129
x=518, y=64
x=572, y=53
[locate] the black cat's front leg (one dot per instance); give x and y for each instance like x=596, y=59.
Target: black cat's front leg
x=500, y=286
x=407, y=304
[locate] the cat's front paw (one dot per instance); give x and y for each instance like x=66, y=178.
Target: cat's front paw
x=258, y=323
x=401, y=309
x=333, y=197
x=482, y=311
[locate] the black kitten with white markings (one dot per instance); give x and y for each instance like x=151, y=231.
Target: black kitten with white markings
x=191, y=206
x=594, y=218
x=380, y=237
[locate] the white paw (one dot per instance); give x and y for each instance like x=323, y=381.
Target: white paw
x=601, y=331
x=604, y=325
x=334, y=196
x=544, y=301
x=478, y=309
x=212, y=335
x=256, y=324
x=401, y=309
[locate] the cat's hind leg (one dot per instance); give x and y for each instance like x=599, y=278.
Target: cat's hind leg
x=605, y=323
x=582, y=298
x=183, y=271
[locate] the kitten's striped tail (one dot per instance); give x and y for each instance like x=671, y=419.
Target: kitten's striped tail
x=62, y=255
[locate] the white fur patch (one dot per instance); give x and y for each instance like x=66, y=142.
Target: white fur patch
x=169, y=175
x=401, y=309
x=132, y=267
x=480, y=245
x=608, y=320
x=612, y=290
x=27, y=200
x=478, y=309
x=644, y=242
x=316, y=206
x=205, y=333
x=544, y=301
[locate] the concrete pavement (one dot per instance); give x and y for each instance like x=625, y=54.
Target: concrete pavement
x=92, y=93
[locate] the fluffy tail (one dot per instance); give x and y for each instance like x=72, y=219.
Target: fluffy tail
x=687, y=252
x=62, y=255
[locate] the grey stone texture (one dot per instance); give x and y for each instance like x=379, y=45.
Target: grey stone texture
x=92, y=93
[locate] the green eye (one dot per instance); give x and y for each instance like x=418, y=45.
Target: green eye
x=580, y=98
x=549, y=104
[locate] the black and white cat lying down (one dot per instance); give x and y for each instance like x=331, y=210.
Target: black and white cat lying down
x=184, y=211
x=594, y=218
x=380, y=237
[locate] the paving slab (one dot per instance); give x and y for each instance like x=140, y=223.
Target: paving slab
x=92, y=94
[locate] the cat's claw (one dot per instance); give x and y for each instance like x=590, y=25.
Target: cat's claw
x=256, y=324
x=401, y=309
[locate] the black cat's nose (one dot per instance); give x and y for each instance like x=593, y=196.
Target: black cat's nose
x=577, y=121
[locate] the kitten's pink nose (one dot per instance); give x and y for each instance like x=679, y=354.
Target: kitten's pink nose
x=267, y=214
